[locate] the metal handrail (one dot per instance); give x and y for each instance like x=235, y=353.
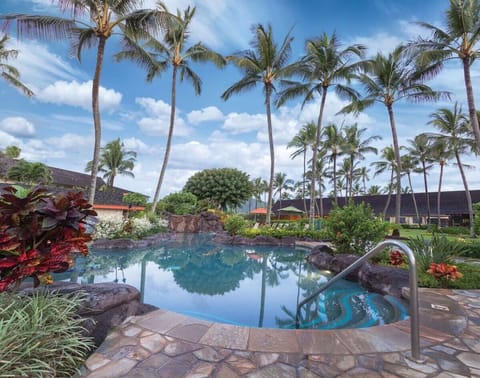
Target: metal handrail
x=413, y=283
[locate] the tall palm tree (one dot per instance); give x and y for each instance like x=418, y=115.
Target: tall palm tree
x=333, y=142
x=374, y=190
x=9, y=73
x=459, y=39
x=326, y=64
x=364, y=177
x=260, y=186
x=420, y=149
x=456, y=131
x=388, y=163
x=389, y=79
x=156, y=56
x=304, y=140
x=264, y=64
x=410, y=164
x=281, y=184
x=115, y=160
x=93, y=22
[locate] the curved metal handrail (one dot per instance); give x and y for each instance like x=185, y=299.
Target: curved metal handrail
x=413, y=283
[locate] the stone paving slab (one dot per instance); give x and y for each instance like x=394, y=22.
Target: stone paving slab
x=166, y=344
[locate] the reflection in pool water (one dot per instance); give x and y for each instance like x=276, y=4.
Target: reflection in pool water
x=245, y=285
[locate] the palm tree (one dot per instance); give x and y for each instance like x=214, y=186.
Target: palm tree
x=374, y=190
x=363, y=175
x=106, y=18
x=456, y=131
x=155, y=56
x=421, y=150
x=303, y=140
x=280, y=185
x=115, y=160
x=259, y=186
x=9, y=73
x=264, y=64
x=333, y=142
x=387, y=80
x=409, y=164
x=387, y=164
x=30, y=173
x=326, y=64
x=459, y=39
x=12, y=152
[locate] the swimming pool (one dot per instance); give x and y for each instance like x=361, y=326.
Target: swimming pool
x=255, y=286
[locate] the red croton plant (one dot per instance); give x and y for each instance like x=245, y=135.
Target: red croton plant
x=40, y=233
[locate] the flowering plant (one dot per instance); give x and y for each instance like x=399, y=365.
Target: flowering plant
x=396, y=258
x=444, y=272
x=40, y=233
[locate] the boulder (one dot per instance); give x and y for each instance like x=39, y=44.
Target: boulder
x=383, y=279
x=340, y=262
x=204, y=222
x=320, y=260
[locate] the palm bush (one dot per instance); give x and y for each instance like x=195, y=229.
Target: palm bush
x=41, y=335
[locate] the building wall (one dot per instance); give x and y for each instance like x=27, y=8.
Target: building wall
x=110, y=214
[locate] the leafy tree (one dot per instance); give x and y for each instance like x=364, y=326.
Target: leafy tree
x=264, y=64
x=155, y=56
x=388, y=79
x=135, y=199
x=9, y=73
x=179, y=203
x=459, y=39
x=325, y=64
x=106, y=18
x=12, y=152
x=115, y=160
x=223, y=186
x=30, y=173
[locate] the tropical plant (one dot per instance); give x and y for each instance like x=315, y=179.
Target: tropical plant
x=40, y=233
x=281, y=185
x=12, y=152
x=135, y=199
x=226, y=187
x=333, y=142
x=387, y=164
x=41, y=335
x=264, y=64
x=156, y=56
x=354, y=228
x=106, y=19
x=441, y=154
x=455, y=131
x=325, y=64
x=234, y=224
x=409, y=163
x=114, y=160
x=179, y=203
x=388, y=80
x=459, y=39
x=30, y=173
x=259, y=186
x=420, y=149
x=9, y=73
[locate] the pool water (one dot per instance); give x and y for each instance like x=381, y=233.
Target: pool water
x=255, y=286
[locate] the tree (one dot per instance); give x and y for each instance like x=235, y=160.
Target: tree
x=409, y=164
x=106, y=18
x=259, y=186
x=9, y=73
x=179, y=203
x=264, y=64
x=324, y=65
x=12, y=152
x=281, y=184
x=387, y=164
x=135, y=199
x=333, y=142
x=459, y=39
x=30, y=173
x=421, y=150
x=226, y=187
x=115, y=160
x=389, y=79
x=455, y=131
x=156, y=56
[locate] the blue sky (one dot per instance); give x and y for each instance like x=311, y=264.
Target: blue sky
x=55, y=127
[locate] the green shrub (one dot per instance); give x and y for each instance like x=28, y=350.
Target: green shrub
x=454, y=230
x=471, y=249
x=436, y=250
x=354, y=228
x=179, y=203
x=469, y=281
x=41, y=335
x=234, y=224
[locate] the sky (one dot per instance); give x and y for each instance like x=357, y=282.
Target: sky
x=55, y=127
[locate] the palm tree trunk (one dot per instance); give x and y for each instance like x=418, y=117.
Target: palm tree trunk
x=413, y=198
x=268, y=90
x=304, y=177
x=467, y=193
x=398, y=161
x=471, y=100
x=169, y=139
x=314, y=158
x=96, y=118
x=389, y=195
x=427, y=196
x=438, y=194
x=335, y=178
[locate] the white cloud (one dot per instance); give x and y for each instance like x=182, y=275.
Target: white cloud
x=239, y=123
x=159, y=122
x=210, y=113
x=17, y=126
x=8, y=140
x=71, y=142
x=79, y=95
